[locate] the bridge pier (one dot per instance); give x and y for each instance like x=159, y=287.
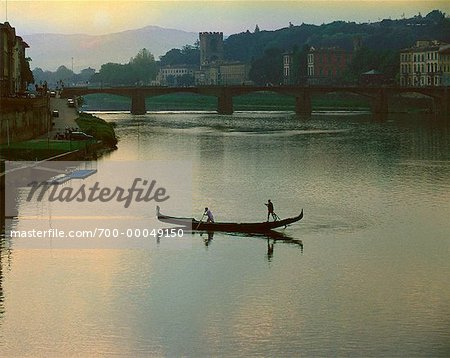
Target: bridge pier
x=442, y=104
x=303, y=104
x=225, y=103
x=138, y=103
x=380, y=106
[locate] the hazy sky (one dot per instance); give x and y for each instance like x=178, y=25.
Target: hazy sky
x=100, y=17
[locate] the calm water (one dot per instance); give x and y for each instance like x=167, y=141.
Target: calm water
x=371, y=280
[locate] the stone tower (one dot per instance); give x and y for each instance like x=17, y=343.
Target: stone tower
x=211, y=47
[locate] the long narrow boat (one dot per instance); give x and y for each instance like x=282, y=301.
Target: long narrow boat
x=195, y=225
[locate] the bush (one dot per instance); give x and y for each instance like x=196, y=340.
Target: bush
x=98, y=128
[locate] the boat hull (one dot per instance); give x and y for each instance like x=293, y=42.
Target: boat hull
x=195, y=225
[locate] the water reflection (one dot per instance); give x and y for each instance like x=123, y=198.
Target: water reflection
x=2, y=245
x=271, y=236
x=375, y=193
x=2, y=232
x=209, y=236
x=270, y=249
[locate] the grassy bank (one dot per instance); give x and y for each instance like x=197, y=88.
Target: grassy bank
x=98, y=128
x=40, y=149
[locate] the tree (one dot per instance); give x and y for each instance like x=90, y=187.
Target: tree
x=268, y=69
x=300, y=65
x=188, y=55
x=366, y=59
x=140, y=70
x=143, y=67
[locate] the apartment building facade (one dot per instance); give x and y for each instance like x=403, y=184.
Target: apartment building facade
x=288, y=64
x=12, y=61
x=326, y=65
x=176, y=75
x=427, y=63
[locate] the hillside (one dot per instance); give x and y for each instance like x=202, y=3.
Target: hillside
x=49, y=51
x=383, y=35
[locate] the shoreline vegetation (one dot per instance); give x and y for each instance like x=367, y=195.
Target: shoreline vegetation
x=56, y=149
x=98, y=128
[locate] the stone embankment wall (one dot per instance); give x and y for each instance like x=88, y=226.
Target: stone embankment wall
x=24, y=118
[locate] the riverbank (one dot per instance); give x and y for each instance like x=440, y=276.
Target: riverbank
x=47, y=146
x=23, y=118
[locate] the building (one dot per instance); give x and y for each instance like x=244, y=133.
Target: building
x=211, y=47
x=444, y=54
x=12, y=61
x=178, y=75
x=233, y=73
x=326, y=65
x=224, y=74
x=288, y=64
x=213, y=69
x=427, y=63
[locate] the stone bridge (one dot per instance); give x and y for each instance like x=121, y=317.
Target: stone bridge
x=378, y=96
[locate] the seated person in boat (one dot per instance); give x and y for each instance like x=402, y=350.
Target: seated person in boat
x=210, y=216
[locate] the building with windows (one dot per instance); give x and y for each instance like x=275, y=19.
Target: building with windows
x=444, y=54
x=233, y=73
x=288, y=63
x=326, y=65
x=214, y=70
x=224, y=74
x=12, y=61
x=427, y=63
x=181, y=75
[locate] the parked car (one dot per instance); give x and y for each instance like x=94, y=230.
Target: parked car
x=55, y=113
x=80, y=136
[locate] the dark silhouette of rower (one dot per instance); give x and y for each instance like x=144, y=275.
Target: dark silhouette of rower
x=270, y=211
x=209, y=215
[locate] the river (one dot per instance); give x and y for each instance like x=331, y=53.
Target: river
x=371, y=279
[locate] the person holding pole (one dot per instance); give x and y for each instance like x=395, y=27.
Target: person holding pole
x=209, y=215
x=270, y=211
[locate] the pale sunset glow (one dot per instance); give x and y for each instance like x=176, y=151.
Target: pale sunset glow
x=101, y=17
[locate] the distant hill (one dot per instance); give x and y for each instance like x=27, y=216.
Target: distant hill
x=383, y=35
x=49, y=51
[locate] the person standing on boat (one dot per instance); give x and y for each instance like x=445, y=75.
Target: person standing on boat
x=210, y=216
x=270, y=211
